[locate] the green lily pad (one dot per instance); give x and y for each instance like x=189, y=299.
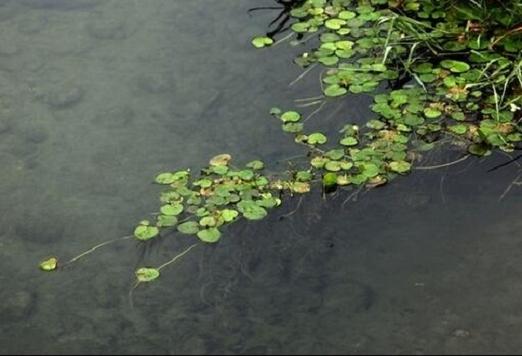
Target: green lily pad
x=400, y=167
x=188, y=228
x=211, y=235
x=251, y=210
x=349, y=141
x=256, y=165
x=431, y=113
x=221, y=160
x=171, y=209
x=330, y=180
x=291, y=116
x=145, y=275
x=334, y=24
x=317, y=138
x=335, y=90
x=229, y=215
x=145, y=232
x=208, y=221
x=262, y=41
x=167, y=221
x=455, y=66
x=49, y=265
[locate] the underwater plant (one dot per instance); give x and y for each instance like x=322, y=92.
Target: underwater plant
x=438, y=71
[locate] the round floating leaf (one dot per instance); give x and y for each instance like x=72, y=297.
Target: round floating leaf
x=256, y=165
x=208, y=221
x=478, y=150
x=369, y=170
x=171, y=209
x=221, y=160
x=333, y=166
x=167, y=221
x=291, y=116
x=300, y=187
x=346, y=15
x=211, y=235
x=349, y=141
x=432, y=113
x=188, y=228
x=335, y=90
x=262, y=41
x=49, y=265
x=165, y=178
x=229, y=215
x=400, y=166
x=251, y=210
x=330, y=180
x=145, y=232
x=459, y=129
x=335, y=24
x=145, y=275
x=455, y=66
x=293, y=127
x=317, y=138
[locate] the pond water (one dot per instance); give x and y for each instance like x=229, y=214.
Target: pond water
x=96, y=97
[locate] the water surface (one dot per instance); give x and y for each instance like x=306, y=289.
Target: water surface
x=96, y=97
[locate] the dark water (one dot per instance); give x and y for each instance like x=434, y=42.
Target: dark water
x=96, y=97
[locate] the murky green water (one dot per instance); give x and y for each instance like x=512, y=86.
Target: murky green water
x=96, y=97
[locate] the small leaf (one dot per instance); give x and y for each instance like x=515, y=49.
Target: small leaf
x=221, y=160
x=49, y=265
x=145, y=232
x=229, y=215
x=188, y=228
x=145, y=275
x=317, y=138
x=290, y=116
x=400, y=166
x=171, y=209
x=211, y=235
x=262, y=41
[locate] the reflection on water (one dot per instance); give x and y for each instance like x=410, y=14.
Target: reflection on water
x=98, y=96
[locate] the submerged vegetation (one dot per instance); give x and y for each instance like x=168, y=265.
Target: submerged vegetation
x=438, y=71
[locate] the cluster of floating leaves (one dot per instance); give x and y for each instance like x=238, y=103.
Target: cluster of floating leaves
x=455, y=70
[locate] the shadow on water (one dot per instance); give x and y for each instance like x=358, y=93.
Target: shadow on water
x=96, y=99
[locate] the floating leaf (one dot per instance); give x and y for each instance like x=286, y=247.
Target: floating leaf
x=167, y=221
x=334, y=24
x=262, y=41
x=335, y=90
x=256, y=165
x=49, y=265
x=330, y=180
x=432, y=113
x=211, y=235
x=349, y=141
x=208, y=221
x=455, y=66
x=145, y=275
x=229, y=215
x=300, y=187
x=221, y=160
x=171, y=209
x=145, y=232
x=400, y=167
x=317, y=138
x=291, y=116
x=251, y=210
x=188, y=228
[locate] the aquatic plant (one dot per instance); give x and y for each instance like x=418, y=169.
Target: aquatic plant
x=438, y=71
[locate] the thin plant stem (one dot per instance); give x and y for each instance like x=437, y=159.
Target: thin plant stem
x=424, y=168
x=177, y=257
x=91, y=250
